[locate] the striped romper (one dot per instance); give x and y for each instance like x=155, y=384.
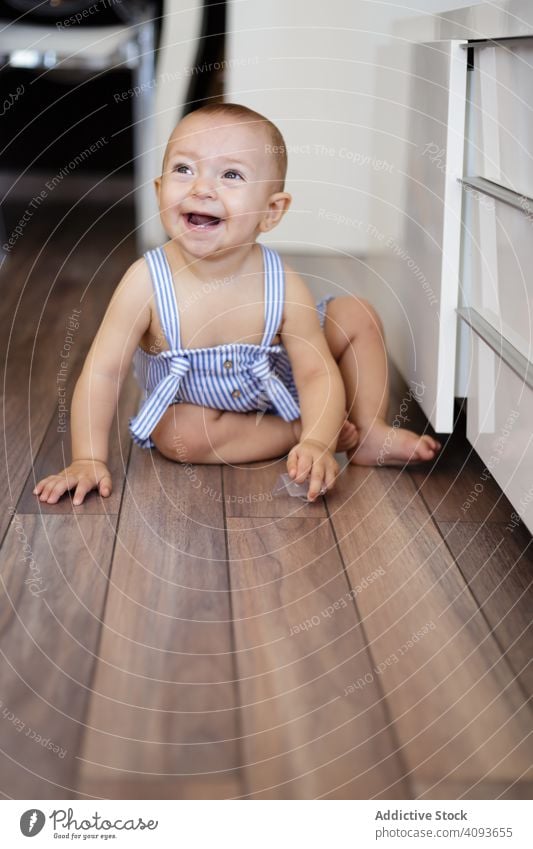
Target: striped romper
x=239, y=377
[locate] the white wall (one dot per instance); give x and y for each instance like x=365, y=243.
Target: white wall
x=319, y=70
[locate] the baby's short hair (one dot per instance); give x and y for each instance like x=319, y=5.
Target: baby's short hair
x=276, y=146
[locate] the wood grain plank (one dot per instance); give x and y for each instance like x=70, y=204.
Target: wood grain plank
x=248, y=493
x=299, y=645
x=457, y=486
x=497, y=564
x=458, y=711
x=55, y=452
x=78, y=269
x=227, y=787
x=54, y=580
x=476, y=790
x=164, y=698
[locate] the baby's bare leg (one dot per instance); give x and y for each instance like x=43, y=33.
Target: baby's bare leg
x=355, y=336
x=192, y=434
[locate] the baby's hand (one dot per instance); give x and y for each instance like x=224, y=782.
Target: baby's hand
x=85, y=475
x=312, y=459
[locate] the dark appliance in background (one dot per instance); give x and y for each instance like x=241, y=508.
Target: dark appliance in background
x=64, y=111
x=207, y=83
x=95, y=13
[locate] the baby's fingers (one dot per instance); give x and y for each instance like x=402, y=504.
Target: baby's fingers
x=53, y=489
x=105, y=486
x=332, y=471
x=297, y=465
x=40, y=486
x=303, y=467
x=323, y=477
x=84, y=486
x=317, y=480
x=292, y=463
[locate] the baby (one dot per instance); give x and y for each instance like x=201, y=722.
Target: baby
x=236, y=361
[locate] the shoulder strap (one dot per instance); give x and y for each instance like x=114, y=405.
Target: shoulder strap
x=165, y=295
x=274, y=293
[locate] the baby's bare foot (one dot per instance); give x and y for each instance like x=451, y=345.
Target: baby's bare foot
x=383, y=445
x=348, y=435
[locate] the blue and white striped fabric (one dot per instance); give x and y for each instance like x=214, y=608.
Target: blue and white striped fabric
x=239, y=377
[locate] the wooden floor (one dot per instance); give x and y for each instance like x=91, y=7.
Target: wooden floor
x=194, y=637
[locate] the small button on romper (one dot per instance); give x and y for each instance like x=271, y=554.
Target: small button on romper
x=238, y=377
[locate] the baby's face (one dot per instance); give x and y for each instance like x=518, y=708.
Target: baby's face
x=219, y=184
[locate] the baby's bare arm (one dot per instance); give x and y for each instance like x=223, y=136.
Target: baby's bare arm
x=320, y=388
x=98, y=389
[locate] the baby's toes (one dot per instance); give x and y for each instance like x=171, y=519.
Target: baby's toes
x=427, y=448
x=348, y=429
x=352, y=437
x=348, y=437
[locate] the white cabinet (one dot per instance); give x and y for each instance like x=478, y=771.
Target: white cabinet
x=413, y=279
x=499, y=425
x=496, y=299
x=502, y=110
x=424, y=281
x=497, y=282
x=467, y=232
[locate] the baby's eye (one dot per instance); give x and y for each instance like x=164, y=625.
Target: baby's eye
x=233, y=175
x=181, y=168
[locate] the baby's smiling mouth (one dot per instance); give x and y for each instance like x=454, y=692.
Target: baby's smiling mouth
x=198, y=220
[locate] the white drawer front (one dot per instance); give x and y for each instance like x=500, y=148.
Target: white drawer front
x=498, y=278
x=503, y=121
x=500, y=426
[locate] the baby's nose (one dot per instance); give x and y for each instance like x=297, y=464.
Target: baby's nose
x=204, y=186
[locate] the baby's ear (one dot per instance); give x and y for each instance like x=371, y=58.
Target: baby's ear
x=157, y=186
x=278, y=204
